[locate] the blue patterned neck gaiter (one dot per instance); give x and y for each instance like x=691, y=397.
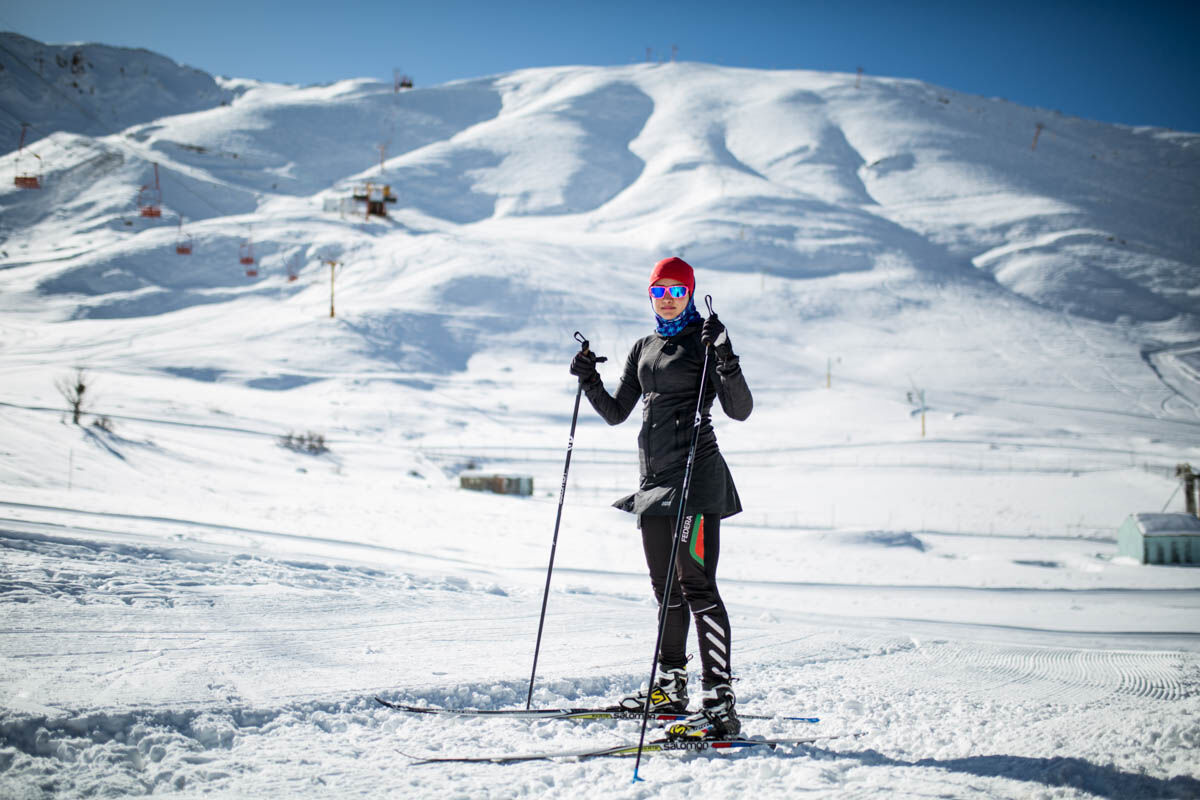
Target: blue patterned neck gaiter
x=669, y=327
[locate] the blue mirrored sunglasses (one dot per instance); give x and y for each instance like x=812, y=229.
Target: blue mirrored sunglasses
x=658, y=292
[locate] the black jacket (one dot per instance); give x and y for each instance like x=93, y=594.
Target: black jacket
x=665, y=374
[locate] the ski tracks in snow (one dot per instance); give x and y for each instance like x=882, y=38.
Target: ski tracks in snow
x=1046, y=674
x=184, y=667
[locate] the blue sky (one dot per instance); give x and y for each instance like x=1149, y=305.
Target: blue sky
x=1133, y=63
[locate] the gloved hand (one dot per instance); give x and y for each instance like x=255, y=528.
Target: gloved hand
x=583, y=366
x=713, y=333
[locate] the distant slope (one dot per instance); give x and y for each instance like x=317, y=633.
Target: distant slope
x=516, y=191
x=92, y=89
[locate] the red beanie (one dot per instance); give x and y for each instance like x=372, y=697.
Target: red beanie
x=675, y=269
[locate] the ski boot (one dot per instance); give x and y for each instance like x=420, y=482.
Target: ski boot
x=716, y=719
x=669, y=695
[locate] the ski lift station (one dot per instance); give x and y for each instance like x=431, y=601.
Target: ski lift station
x=371, y=197
x=1160, y=538
x=375, y=195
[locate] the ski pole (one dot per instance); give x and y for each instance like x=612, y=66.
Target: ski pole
x=562, y=493
x=679, y=517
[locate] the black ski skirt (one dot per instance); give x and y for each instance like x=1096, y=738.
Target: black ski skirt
x=712, y=492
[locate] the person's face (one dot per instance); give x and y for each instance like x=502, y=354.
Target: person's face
x=666, y=306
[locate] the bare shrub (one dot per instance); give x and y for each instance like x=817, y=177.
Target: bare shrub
x=74, y=388
x=312, y=443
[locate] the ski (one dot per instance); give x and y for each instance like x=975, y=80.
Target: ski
x=655, y=746
x=608, y=712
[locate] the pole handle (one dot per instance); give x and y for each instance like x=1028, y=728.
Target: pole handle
x=583, y=346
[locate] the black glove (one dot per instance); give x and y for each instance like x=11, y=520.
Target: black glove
x=583, y=366
x=713, y=333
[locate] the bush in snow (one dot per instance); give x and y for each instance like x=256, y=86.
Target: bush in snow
x=310, y=442
x=73, y=388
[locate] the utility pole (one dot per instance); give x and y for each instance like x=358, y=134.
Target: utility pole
x=917, y=398
x=333, y=265
x=1036, y=133
x=1184, y=473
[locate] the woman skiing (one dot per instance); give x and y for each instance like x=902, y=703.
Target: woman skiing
x=664, y=370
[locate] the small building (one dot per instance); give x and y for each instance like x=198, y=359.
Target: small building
x=1160, y=538
x=376, y=196
x=500, y=484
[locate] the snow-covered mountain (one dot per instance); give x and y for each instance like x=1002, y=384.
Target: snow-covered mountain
x=945, y=582
x=94, y=89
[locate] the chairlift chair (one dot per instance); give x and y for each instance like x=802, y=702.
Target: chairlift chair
x=150, y=198
x=24, y=179
x=183, y=241
x=246, y=257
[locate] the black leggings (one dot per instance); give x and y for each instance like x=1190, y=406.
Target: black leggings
x=696, y=576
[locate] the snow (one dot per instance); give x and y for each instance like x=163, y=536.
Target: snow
x=190, y=608
x=1167, y=523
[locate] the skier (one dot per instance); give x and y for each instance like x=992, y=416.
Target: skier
x=663, y=369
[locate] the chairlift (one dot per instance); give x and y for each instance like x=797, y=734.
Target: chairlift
x=183, y=241
x=24, y=179
x=246, y=257
x=150, y=198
